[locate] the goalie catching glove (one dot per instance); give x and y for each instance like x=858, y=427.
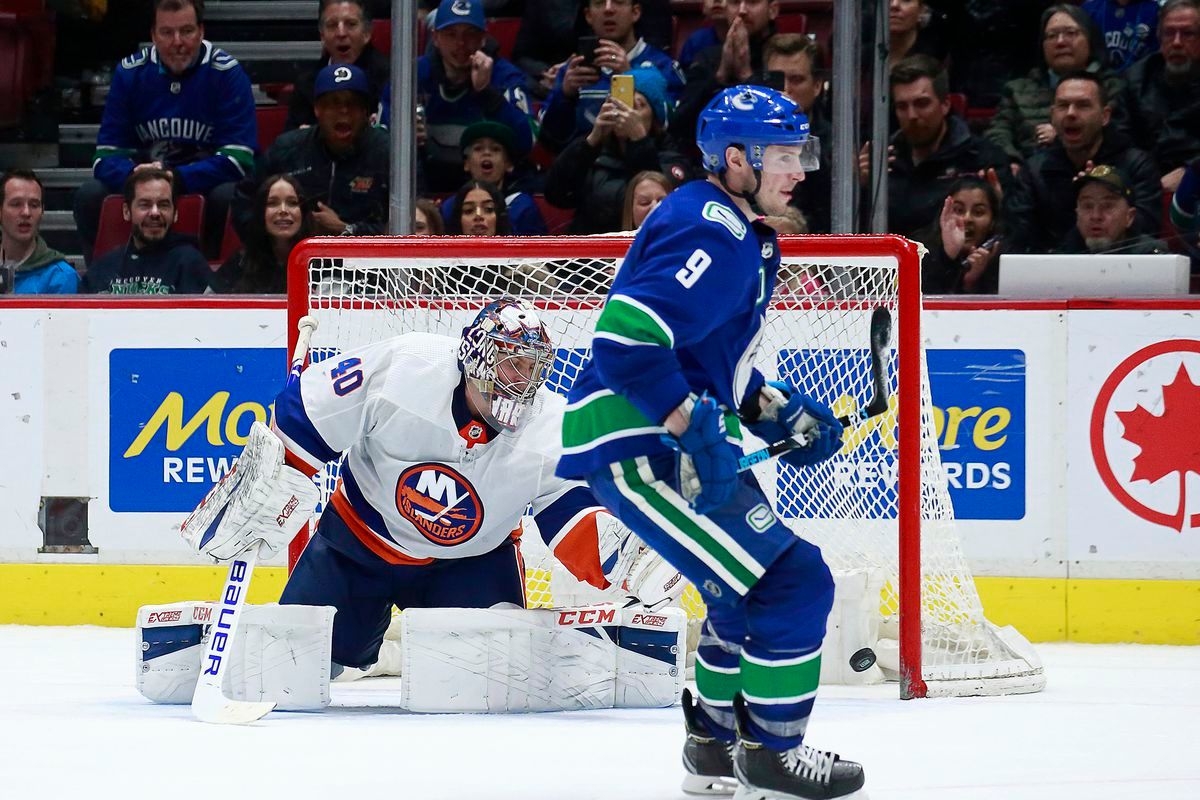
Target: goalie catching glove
x=791, y=414
x=260, y=499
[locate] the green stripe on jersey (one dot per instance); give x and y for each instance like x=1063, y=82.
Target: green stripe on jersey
x=716, y=687
x=242, y=156
x=604, y=415
x=622, y=318
x=779, y=681
x=741, y=576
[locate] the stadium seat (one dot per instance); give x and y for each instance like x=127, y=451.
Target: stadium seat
x=557, y=219
x=271, y=120
x=26, y=58
x=791, y=23
x=113, y=231
x=958, y=103
x=381, y=36
x=504, y=30
x=230, y=243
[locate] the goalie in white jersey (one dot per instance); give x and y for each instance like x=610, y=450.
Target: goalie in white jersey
x=446, y=443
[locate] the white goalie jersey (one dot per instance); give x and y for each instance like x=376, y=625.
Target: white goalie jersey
x=422, y=479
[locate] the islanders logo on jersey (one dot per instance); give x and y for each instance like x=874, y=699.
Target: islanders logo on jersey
x=439, y=502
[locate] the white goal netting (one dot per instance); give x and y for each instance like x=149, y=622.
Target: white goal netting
x=816, y=338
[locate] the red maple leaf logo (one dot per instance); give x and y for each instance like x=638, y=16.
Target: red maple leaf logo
x=1170, y=442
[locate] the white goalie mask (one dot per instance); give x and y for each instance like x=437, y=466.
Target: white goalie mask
x=506, y=355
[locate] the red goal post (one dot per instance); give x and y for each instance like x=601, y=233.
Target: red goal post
x=365, y=289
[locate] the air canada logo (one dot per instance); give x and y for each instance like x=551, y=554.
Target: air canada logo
x=1145, y=436
x=439, y=502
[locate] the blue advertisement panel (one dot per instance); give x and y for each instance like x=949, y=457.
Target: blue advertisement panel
x=179, y=416
x=979, y=413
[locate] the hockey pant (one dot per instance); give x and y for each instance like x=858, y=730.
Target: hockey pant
x=768, y=594
x=337, y=570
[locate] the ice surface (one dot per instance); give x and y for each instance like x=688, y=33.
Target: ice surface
x=1116, y=721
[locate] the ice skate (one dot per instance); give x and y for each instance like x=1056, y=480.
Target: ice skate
x=802, y=773
x=708, y=760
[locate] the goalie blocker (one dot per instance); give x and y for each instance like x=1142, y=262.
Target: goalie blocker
x=452, y=659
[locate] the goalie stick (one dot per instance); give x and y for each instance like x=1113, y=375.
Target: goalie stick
x=209, y=703
x=881, y=335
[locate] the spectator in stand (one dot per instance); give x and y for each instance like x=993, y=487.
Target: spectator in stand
x=27, y=264
x=644, y=193
x=582, y=88
x=341, y=163
x=550, y=30
x=345, y=30
x=479, y=210
x=737, y=60
x=931, y=149
x=591, y=175
x=428, y=219
x=180, y=105
x=1163, y=93
x=458, y=84
x=487, y=149
x=797, y=57
x=156, y=260
x=1083, y=138
x=966, y=241
x=709, y=35
x=1127, y=27
x=910, y=33
x=1104, y=217
x=1070, y=43
x=279, y=224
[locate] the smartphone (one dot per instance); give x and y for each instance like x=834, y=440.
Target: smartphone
x=587, y=49
x=622, y=89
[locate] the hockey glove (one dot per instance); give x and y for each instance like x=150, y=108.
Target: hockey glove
x=706, y=464
x=791, y=413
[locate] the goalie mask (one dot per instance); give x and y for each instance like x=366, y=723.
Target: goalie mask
x=506, y=355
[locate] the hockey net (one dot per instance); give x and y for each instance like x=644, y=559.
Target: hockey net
x=880, y=508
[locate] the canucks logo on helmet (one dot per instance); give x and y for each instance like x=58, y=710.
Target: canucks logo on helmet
x=753, y=118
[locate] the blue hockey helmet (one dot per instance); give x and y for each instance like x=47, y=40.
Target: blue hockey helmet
x=754, y=118
x=506, y=355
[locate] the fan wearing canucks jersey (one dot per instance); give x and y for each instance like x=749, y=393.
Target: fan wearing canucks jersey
x=653, y=424
x=447, y=442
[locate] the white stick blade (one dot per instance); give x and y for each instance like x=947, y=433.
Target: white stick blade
x=218, y=709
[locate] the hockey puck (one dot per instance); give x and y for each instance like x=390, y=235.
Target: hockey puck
x=863, y=660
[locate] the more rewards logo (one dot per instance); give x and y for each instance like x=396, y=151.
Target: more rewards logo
x=179, y=417
x=1145, y=434
x=979, y=416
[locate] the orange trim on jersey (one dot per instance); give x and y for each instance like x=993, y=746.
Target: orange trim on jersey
x=579, y=551
x=298, y=463
x=368, y=537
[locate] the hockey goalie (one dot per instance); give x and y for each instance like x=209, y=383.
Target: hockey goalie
x=447, y=445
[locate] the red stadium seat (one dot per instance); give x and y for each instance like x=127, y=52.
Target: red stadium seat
x=27, y=37
x=230, y=243
x=791, y=23
x=504, y=31
x=113, y=231
x=958, y=103
x=381, y=36
x=557, y=219
x=271, y=120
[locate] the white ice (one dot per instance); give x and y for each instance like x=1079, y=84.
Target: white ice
x=1116, y=721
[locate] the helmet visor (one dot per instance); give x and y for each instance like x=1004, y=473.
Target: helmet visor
x=790, y=158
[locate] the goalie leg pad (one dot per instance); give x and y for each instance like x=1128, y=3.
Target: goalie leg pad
x=284, y=656
x=564, y=659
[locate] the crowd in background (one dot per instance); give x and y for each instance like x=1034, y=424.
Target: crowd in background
x=1083, y=135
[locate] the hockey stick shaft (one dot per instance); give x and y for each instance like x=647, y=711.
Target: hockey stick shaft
x=209, y=703
x=881, y=332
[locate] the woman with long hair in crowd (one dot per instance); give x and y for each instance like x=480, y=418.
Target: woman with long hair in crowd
x=479, y=210
x=965, y=241
x=279, y=224
x=644, y=193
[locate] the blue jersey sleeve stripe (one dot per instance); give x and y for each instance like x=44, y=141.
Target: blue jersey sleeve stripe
x=297, y=431
x=555, y=520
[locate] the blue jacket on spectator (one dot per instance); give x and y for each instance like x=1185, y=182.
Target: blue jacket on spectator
x=700, y=40
x=200, y=125
x=524, y=216
x=449, y=112
x=45, y=271
x=1130, y=32
x=565, y=119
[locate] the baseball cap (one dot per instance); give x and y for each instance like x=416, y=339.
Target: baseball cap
x=491, y=130
x=1107, y=176
x=459, y=12
x=342, y=78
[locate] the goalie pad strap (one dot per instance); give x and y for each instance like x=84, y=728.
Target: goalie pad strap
x=282, y=654
x=497, y=660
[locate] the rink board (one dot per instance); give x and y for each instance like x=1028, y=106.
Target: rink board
x=136, y=406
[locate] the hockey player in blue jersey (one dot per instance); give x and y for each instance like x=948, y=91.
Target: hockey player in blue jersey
x=652, y=424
